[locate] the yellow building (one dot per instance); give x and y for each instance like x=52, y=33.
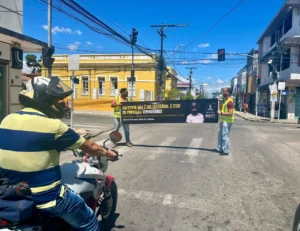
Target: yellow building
x=171, y=79
x=101, y=76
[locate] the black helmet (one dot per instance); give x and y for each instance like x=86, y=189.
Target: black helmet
x=43, y=94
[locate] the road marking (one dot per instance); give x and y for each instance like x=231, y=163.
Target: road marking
x=169, y=200
x=292, y=129
x=158, y=151
x=192, y=154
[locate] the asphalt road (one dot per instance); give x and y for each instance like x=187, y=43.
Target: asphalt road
x=171, y=181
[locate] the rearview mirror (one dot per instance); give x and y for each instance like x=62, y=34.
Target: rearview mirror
x=115, y=137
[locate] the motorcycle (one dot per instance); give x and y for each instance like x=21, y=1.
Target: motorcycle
x=85, y=176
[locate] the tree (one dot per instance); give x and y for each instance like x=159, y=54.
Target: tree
x=32, y=63
x=188, y=96
x=201, y=97
x=172, y=94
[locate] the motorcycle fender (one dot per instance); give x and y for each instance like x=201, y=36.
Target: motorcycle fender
x=109, y=180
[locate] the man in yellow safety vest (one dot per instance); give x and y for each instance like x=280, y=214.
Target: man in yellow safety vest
x=227, y=119
x=117, y=104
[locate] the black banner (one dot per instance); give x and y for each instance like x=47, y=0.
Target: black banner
x=171, y=111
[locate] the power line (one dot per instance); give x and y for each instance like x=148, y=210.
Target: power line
x=215, y=24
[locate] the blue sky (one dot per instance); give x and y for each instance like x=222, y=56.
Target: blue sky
x=239, y=32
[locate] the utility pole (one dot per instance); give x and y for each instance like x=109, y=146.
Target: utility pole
x=201, y=89
x=49, y=32
x=161, y=58
x=190, y=78
x=133, y=40
x=275, y=76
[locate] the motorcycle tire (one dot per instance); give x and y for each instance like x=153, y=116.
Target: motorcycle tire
x=296, y=224
x=109, y=218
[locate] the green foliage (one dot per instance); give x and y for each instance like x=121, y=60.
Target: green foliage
x=172, y=94
x=201, y=97
x=32, y=63
x=188, y=96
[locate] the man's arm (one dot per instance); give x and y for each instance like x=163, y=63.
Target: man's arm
x=67, y=138
x=94, y=149
x=114, y=104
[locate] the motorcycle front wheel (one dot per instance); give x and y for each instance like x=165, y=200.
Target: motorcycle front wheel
x=296, y=226
x=108, y=215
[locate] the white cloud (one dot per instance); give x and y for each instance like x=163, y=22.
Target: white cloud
x=206, y=61
x=99, y=47
x=212, y=56
x=89, y=43
x=219, y=81
x=73, y=46
x=78, y=32
x=62, y=29
x=209, y=77
x=212, y=88
x=203, y=45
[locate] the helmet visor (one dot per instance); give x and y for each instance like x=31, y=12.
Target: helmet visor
x=58, y=88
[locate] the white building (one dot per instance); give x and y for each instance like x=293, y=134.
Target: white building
x=281, y=40
x=12, y=46
x=183, y=86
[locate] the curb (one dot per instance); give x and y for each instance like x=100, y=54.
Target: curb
x=265, y=121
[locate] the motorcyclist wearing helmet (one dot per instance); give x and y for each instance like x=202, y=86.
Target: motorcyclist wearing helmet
x=30, y=143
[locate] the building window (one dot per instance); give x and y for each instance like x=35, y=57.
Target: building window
x=129, y=87
x=288, y=23
x=273, y=39
x=286, y=59
x=85, y=85
x=101, y=85
x=113, y=85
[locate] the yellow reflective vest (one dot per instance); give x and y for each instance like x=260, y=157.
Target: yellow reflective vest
x=117, y=111
x=227, y=118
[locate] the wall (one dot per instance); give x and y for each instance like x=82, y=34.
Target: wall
x=296, y=20
x=145, y=80
x=12, y=20
x=266, y=45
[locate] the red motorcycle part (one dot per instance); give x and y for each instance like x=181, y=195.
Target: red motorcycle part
x=109, y=180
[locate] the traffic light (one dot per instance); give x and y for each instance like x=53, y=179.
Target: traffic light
x=47, y=53
x=258, y=80
x=221, y=55
x=134, y=35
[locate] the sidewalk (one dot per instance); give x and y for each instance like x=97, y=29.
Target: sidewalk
x=250, y=117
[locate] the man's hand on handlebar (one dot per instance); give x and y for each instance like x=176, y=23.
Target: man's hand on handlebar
x=94, y=149
x=112, y=155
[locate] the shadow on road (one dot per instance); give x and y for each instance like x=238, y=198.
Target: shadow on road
x=106, y=227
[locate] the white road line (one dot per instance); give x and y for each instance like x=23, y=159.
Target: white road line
x=158, y=151
x=192, y=154
x=292, y=129
x=169, y=200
